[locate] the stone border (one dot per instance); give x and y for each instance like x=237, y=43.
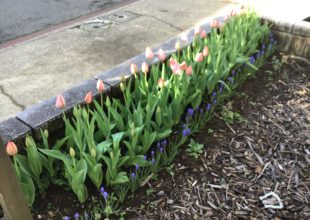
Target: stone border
x=46, y=116
x=292, y=36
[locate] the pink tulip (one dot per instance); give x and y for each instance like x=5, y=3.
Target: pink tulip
x=215, y=24
x=197, y=30
x=199, y=57
x=172, y=62
x=205, y=51
x=183, y=66
x=161, y=83
x=184, y=36
x=145, y=67
x=60, y=102
x=161, y=55
x=149, y=53
x=189, y=70
x=11, y=148
x=226, y=17
x=100, y=86
x=88, y=98
x=203, y=34
x=174, y=65
x=133, y=68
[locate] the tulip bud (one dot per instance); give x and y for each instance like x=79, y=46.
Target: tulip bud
x=93, y=153
x=60, y=102
x=161, y=55
x=100, y=86
x=189, y=71
x=199, y=57
x=88, y=98
x=11, y=148
x=145, y=67
x=214, y=24
x=72, y=152
x=28, y=142
x=177, y=46
x=122, y=86
x=205, y=51
x=158, y=110
x=203, y=34
x=45, y=133
x=184, y=36
x=149, y=53
x=183, y=66
x=123, y=79
x=233, y=13
x=197, y=30
x=133, y=68
x=161, y=83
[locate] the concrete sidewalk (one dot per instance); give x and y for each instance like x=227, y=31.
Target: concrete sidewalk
x=46, y=65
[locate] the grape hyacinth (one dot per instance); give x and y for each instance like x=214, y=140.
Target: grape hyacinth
x=231, y=80
x=164, y=143
x=144, y=157
x=214, y=101
x=190, y=112
x=137, y=167
x=252, y=59
x=153, y=161
x=161, y=149
x=66, y=218
x=208, y=107
x=133, y=175
x=76, y=216
x=105, y=195
x=186, y=132
x=101, y=190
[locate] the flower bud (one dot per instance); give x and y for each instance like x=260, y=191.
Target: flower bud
x=122, y=86
x=60, y=102
x=161, y=83
x=45, y=133
x=11, y=148
x=199, y=57
x=93, y=152
x=161, y=55
x=133, y=68
x=100, y=86
x=203, y=34
x=183, y=66
x=149, y=53
x=158, y=110
x=88, y=98
x=205, y=51
x=197, y=30
x=72, y=152
x=177, y=46
x=145, y=68
x=189, y=71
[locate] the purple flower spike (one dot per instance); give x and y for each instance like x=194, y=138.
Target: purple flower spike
x=257, y=55
x=153, y=161
x=233, y=73
x=158, y=144
x=230, y=79
x=152, y=153
x=164, y=143
x=190, y=112
x=137, y=167
x=221, y=89
x=66, y=218
x=105, y=195
x=201, y=110
x=270, y=35
x=161, y=150
x=252, y=59
x=76, y=216
x=208, y=107
x=263, y=46
x=144, y=157
x=214, y=101
x=186, y=132
x=133, y=175
x=262, y=52
x=214, y=94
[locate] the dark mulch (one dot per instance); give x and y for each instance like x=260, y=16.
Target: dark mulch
x=270, y=152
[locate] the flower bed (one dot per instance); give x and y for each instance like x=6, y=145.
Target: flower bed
x=113, y=146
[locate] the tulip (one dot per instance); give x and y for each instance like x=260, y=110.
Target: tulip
x=199, y=57
x=233, y=13
x=189, y=71
x=172, y=62
x=205, y=51
x=100, y=86
x=11, y=148
x=203, y=34
x=176, y=69
x=184, y=36
x=215, y=24
x=72, y=152
x=149, y=53
x=88, y=98
x=133, y=68
x=161, y=83
x=145, y=67
x=183, y=66
x=161, y=55
x=60, y=102
x=197, y=30
x=177, y=46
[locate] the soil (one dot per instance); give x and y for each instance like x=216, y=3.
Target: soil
x=268, y=151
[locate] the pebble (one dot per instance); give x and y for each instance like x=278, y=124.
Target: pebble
x=170, y=201
x=161, y=193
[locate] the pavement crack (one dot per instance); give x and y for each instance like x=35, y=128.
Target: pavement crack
x=158, y=19
x=11, y=98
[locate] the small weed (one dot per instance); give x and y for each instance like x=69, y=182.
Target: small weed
x=210, y=131
x=276, y=63
x=149, y=191
x=194, y=149
x=170, y=170
x=229, y=116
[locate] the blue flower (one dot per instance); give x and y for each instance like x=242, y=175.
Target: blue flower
x=101, y=189
x=221, y=89
x=263, y=46
x=144, y=157
x=137, y=167
x=152, y=153
x=201, y=110
x=164, y=143
x=76, y=216
x=262, y=52
x=214, y=101
x=270, y=35
x=186, y=132
x=208, y=107
x=252, y=59
x=214, y=94
x=230, y=79
x=161, y=150
x=66, y=218
x=233, y=73
x=105, y=195
x=158, y=144
x=190, y=112
x=133, y=175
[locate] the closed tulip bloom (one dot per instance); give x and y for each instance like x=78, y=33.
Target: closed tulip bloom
x=133, y=68
x=205, y=51
x=184, y=36
x=88, y=98
x=161, y=83
x=215, y=24
x=11, y=148
x=172, y=62
x=145, y=67
x=189, y=71
x=197, y=30
x=149, y=53
x=100, y=86
x=199, y=57
x=60, y=102
x=161, y=55
x=176, y=69
x=177, y=46
x=203, y=34
x=183, y=66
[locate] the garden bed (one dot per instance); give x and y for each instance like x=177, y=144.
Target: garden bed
x=266, y=149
